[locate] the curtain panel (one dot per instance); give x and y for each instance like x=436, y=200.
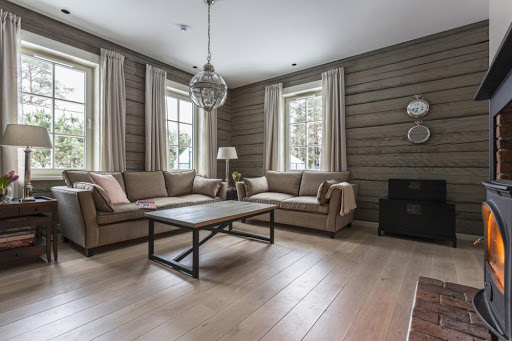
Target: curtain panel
x=333, y=155
x=207, y=143
x=156, y=132
x=112, y=111
x=274, y=128
x=10, y=91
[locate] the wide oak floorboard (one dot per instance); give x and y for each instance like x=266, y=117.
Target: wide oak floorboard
x=306, y=286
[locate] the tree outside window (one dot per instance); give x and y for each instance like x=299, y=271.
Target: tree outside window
x=305, y=132
x=180, y=131
x=54, y=97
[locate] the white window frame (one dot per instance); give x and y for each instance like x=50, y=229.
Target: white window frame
x=181, y=96
x=288, y=99
x=90, y=104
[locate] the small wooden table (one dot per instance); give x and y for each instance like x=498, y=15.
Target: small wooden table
x=212, y=217
x=31, y=213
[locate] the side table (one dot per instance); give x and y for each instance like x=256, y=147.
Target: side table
x=43, y=212
x=231, y=194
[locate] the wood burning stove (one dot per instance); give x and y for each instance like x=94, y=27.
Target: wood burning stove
x=494, y=303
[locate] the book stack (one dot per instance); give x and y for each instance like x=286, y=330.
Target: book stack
x=16, y=238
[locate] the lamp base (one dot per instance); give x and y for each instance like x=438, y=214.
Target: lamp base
x=28, y=199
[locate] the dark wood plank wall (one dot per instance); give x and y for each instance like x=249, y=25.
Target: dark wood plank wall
x=446, y=68
x=135, y=69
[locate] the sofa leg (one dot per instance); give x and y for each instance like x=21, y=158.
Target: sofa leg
x=332, y=235
x=89, y=252
x=243, y=221
x=65, y=240
x=349, y=225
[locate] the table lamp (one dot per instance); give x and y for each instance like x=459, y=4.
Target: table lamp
x=19, y=135
x=227, y=153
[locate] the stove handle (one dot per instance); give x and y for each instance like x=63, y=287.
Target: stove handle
x=478, y=241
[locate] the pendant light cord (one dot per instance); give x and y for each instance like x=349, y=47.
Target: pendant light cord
x=209, y=53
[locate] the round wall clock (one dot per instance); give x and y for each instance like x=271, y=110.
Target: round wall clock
x=418, y=107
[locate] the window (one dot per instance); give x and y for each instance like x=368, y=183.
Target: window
x=304, y=123
x=57, y=95
x=181, y=124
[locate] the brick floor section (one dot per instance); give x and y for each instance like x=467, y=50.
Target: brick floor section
x=443, y=311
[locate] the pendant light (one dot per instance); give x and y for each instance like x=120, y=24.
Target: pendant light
x=207, y=89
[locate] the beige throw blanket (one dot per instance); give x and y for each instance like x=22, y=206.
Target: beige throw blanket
x=348, y=199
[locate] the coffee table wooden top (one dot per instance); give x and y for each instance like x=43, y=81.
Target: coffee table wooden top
x=209, y=214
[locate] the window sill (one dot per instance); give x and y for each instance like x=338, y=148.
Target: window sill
x=46, y=178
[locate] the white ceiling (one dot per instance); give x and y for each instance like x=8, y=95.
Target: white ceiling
x=259, y=39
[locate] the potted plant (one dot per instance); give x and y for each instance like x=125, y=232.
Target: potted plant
x=5, y=186
x=236, y=176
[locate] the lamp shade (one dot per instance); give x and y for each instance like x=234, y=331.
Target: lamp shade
x=227, y=153
x=20, y=135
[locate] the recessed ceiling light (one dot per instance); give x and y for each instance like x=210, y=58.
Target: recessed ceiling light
x=183, y=28
x=294, y=64
x=65, y=11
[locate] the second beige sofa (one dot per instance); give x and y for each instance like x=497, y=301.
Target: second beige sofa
x=295, y=193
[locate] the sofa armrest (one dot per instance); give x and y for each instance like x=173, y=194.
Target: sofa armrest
x=77, y=216
x=241, y=190
x=223, y=191
x=335, y=204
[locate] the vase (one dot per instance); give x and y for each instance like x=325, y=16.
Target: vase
x=5, y=195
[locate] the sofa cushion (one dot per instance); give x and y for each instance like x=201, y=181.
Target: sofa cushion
x=197, y=199
x=144, y=185
x=122, y=212
x=284, y=182
x=72, y=176
x=256, y=185
x=179, y=183
x=271, y=198
x=304, y=203
x=208, y=187
x=311, y=180
x=163, y=203
x=101, y=198
x=111, y=186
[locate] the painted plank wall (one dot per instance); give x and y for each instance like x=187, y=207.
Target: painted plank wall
x=135, y=68
x=447, y=69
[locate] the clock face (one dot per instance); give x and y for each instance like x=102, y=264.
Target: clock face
x=417, y=108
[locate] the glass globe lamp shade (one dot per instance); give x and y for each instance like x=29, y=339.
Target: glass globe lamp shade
x=207, y=89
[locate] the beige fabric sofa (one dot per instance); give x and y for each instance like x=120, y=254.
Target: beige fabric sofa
x=82, y=223
x=295, y=193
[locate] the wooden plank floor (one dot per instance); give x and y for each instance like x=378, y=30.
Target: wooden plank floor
x=306, y=286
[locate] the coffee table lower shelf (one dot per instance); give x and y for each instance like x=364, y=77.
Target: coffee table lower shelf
x=196, y=242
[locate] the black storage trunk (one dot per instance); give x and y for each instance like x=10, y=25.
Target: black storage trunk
x=418, y=208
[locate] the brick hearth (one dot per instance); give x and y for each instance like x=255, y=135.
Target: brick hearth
x=443, y=311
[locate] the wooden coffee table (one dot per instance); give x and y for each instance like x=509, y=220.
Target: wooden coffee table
x=212, y=217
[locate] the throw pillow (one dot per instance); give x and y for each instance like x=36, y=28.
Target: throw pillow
x=208, y=187
x=179, y=183
x=111, y=186
x=101, y=198
x=324, y=188
x=256, y=185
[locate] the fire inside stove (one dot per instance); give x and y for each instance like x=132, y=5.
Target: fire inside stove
x=495, y=248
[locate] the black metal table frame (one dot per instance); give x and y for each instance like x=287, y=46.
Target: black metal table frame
x=196, y=242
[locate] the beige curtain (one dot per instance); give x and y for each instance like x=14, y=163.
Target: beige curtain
x=10, y=89
x=156, y=132
x=113, y=111
x=334, y=146
x=207, y=151
x=273, y=146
